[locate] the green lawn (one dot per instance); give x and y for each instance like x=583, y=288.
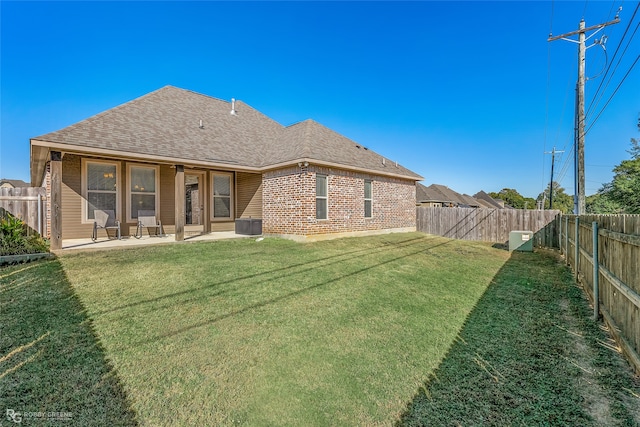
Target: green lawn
x=50, y=359
x=530, y=354
x=239, y=332
x=275, y=332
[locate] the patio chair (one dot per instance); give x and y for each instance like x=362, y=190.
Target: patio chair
x=147, y=219
x=107, y=221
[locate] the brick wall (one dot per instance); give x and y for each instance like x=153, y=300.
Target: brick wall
x=289, y=202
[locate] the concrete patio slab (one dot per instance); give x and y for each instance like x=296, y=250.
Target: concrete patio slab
x=130, y=241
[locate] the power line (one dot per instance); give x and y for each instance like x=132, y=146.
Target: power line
x=584, y=12
x=579, y=198
x=548, y=91
x=613, y=5
x=612, y=95
x=606, y=74
x=565, y=165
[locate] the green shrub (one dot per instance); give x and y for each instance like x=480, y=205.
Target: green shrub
x=15, y=240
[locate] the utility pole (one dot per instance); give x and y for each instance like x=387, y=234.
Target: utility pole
x=553, y=160
x=579, y=207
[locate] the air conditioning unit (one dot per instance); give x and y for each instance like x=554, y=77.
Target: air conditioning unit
x=521, y=241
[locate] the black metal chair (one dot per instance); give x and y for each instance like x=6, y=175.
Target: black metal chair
x=147, y=219
x=106, y=220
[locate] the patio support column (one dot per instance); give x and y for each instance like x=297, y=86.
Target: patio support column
x=206, y=202
x=56, y=200
x=179, y=202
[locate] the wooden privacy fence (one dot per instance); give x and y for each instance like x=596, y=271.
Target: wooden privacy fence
x=27, y=203
x=490, y=225
x=604, y=253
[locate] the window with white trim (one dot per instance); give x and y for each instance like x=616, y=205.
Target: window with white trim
x=222, y=197
x=142, y=190
x=321, y=196
x=100, y=188
x=368, y=187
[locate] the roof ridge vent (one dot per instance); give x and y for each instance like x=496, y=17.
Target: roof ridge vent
x=233, y=107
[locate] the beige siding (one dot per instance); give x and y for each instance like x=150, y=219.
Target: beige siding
x=72, y=226
x=167, y=197
x=223, y=226
x=249, y=195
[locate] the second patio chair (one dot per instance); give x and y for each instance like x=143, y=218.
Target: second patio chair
x=148, y=220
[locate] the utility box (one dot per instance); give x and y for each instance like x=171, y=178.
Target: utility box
x=249, y=226
x=521, y=241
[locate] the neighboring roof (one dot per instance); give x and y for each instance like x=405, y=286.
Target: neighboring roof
x=437, y=193
x=429, y=194
x=13, y=182
x=448, y=194
x=442, y=194
x=471, y=202
x=487, y=199
x=165, y=125
x=486, y=204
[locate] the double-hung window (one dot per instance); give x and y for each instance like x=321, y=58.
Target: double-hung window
x=100, y=188
x=222, y=196
x=321, y=196
x=367, y=198
x=142, y=189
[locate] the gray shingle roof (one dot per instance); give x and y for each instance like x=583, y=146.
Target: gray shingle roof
x=443, y=194
x=16, y=183
x=166, y=123
x=487, y=199
x=429, y=194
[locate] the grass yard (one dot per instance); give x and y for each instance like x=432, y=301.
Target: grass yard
x=275, y=332
x=530, y=354
x=401, y=328
x=50, y=358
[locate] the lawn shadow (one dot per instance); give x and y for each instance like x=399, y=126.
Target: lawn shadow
x=53, y=368
x=299, y=269
x=512, y=363
x=266, y=275
x=501, y=246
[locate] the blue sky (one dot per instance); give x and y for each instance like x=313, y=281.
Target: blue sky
x=467, y=94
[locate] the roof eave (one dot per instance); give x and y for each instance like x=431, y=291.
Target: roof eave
x=118, y=154
x=38, y=163
x=294, y=162
x=40, y=149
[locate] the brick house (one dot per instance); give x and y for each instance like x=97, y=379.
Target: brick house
x=201, y=163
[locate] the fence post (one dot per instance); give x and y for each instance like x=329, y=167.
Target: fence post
x=39, y=202
x=560, y=234
x=577, y=246
x=596, y=273
x=566, y=240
